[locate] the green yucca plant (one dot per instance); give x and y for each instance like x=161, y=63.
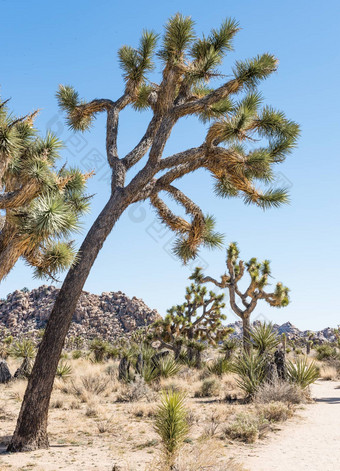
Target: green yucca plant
x=168, y=366
x=250, y=368
x=64, y=370
x=219, y=367
x=23, y=349
x=264, y=338
x=302, y=372
x=149, y=372
x=99, y=347
x=171, y=423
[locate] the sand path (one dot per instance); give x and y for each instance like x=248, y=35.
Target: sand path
x=311, y=443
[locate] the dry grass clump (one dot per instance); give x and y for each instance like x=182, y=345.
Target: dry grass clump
x=144, y=410
x=275, y=411
x=247, y=427
x=177, y=384
x=328, y=373
x=84, y=387
x=205, y=456
x=210, y=387
x=279, y=391
x=136, y=391
x=18, y=389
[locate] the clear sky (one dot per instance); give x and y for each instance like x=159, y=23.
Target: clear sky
x=76, y=42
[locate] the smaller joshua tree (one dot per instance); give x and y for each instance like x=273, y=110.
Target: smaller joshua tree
x=195, y=322
x=244, y=303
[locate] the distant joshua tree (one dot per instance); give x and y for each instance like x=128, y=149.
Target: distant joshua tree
x=198, y=319
x=244, y=303
x=187, y=64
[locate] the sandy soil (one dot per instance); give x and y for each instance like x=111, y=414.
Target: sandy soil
x=310, y=441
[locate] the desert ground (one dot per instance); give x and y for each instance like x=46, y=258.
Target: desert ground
x=96, y=423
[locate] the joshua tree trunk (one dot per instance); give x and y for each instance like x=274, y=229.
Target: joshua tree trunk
x=246, y=334
x=31, y=429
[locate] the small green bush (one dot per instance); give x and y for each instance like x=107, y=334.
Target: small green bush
x=210, y=387
x=246, y=428
x=219, y=367
x=326, y=352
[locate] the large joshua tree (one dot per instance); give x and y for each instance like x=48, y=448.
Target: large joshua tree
x=40, y=206
x=188, y=64
x=244, y=302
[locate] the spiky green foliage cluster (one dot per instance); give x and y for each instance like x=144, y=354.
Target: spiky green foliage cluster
x=250, y=368
x=41, y=205
x=263, y=338
x=211, y=239
x=171, y=423
x=302, y=372
x=64, y=370
x=24, y=348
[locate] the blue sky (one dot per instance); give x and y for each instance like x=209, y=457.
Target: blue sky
x=47, y=43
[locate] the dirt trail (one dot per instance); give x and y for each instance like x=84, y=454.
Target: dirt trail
x=311, y=443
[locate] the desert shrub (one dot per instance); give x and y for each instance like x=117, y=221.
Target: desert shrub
x=326, y=352
x=250, y=368
x=210, y=387
x=136, y=391
x=264, y=338
x=219, y=367
x=76, y=354
x=143, y=410
x=228, y=347
x=149, y=372
x=328, y=372
x=212, y=425
x=92, y=410
x=64, y=370
x=203, y=456
x=171, y=422
x=302, y=373
x=168, y=366
x=88, y=384
x=275, y=411
x=246, y=428
x=99, y=348
x=278, y=390
x=22, y=349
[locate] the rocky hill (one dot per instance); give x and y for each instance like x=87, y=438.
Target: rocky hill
x=292, y=332
x=108, y=315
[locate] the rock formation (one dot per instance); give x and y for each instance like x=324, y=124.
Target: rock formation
x=109, y=315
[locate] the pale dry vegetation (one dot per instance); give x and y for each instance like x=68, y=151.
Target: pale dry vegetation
x=92, y=409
